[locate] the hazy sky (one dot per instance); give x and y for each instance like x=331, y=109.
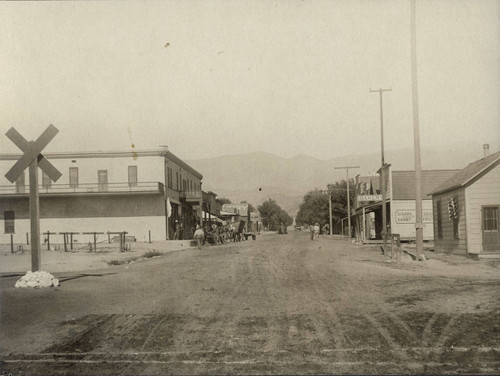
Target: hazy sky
x=209, y=78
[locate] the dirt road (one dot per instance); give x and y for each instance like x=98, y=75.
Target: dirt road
x=281, y=304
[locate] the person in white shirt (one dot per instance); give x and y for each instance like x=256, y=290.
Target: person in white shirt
x=199, y=236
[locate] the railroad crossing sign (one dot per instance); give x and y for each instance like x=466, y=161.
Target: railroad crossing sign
x=33, y=159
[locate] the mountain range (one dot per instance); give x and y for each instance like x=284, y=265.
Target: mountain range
x=256, y=177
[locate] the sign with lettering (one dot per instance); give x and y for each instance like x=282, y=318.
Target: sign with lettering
x=408, y=216
x=369, y=197
x=235, y=208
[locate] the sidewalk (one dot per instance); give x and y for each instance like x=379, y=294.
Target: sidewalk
x=77, y=260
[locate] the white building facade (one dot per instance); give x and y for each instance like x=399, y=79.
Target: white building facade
x=110, y=191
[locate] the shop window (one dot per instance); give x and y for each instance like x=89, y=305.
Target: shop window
x=73, y=177
x=9, y=217
x=490, y=218
x=132, y=176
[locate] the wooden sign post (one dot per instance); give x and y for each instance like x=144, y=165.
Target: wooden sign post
x=33, y=159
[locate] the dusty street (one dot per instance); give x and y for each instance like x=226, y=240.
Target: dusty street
x=281, y=304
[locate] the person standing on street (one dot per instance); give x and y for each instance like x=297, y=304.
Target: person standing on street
x=199, y=235
x=316, y=231
x=311, y=231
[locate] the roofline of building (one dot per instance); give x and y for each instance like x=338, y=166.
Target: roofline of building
x=471, y=179
x=110, y=154
x=424, y=170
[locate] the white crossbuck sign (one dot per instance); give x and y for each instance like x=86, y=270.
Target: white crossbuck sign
x=32, y=150
x=33, y=159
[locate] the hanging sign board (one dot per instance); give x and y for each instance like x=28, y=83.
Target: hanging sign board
x=369, y=197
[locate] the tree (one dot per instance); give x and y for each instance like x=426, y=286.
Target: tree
x=339, y=197
x=314, y=208
x=315, y=205
x=339, y=201
x=273, y=215
x=224, y=200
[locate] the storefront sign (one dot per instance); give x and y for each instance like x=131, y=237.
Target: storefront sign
x=369, y=197
x=408, y=216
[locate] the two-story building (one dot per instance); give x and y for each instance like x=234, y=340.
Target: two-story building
x=140, y=192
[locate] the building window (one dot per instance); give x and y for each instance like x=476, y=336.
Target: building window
x=184, y=185
x=46, y=182
x=439, y=220
x=102, y=180
x=20, y=184
x=490, y=218
x=8, y=217
x=170, y=177
x=177, y=180
x=191, y=186
x=73, y=177
x=132, y=176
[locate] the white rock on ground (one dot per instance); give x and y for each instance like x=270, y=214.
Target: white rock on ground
x=37, y=279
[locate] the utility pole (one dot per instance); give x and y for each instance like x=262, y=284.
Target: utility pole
x=348, y=198
x=330, y=206
x=382, y=170
x=419, y=227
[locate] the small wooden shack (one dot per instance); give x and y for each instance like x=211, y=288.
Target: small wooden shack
x=466, y=210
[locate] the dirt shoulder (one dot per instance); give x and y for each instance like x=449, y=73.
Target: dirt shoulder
x=58, y=261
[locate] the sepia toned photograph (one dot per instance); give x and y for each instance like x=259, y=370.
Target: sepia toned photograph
x=278, y=187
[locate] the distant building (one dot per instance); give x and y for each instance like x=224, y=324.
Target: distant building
x=400, y=203
x=241, y=212
x=106, y=191
x=211, y=208
x=466, y=209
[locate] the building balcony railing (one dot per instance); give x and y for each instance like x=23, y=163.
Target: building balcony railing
x=190, y=196
x=151, y=187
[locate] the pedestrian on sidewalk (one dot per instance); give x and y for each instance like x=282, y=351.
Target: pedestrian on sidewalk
x=199, y=235
x=311, y=231
x=177, y=234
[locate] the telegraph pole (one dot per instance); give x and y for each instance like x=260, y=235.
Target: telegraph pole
x=348, y=198
x=382, y=170
x=419, y=227
x=330, y=206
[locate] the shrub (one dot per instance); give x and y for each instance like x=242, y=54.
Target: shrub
x=152, y=253
x=117, y=262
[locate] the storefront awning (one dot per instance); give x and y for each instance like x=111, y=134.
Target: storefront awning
x=174, y=201
x=211, y=216
x=370, y=208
